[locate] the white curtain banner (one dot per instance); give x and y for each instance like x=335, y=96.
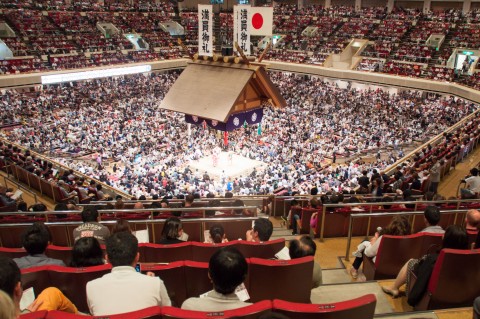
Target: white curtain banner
x=237, y=27
x=205, y=33
x=243, y=30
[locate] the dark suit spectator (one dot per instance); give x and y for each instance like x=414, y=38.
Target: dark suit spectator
x=35, y=240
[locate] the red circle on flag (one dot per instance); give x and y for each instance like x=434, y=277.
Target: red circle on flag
x=257, y=21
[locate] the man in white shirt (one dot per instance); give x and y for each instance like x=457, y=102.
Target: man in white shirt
x=473, y=185
x=227, y=270
x=432, y=218
x=124, y=289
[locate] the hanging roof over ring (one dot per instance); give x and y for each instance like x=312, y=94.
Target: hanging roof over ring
x=215, y=90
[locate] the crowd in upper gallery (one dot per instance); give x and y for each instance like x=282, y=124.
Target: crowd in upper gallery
x=65, y=37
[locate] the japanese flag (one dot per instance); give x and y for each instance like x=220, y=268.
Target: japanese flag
x=261, y=20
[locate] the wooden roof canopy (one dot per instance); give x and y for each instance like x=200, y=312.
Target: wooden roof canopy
x=215, y=88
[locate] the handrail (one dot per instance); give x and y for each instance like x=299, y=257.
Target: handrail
x=5, y=178
x=142, y=221
x=383, y=214
x=133, y=210
x=371, y=204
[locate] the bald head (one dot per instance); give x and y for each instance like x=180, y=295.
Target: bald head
x=472, y=219
x=301, y=247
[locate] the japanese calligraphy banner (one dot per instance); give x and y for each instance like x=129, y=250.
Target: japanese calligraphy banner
x=205, y=34
x=241, y=29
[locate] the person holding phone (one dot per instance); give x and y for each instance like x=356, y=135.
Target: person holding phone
x=124, y=289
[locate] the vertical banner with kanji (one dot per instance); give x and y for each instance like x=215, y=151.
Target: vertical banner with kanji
x=205, y=34
x=241, y=29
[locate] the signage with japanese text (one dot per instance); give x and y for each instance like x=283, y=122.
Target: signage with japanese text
x=205, y=34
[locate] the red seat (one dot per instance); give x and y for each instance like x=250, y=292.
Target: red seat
x=197, y=280
x=249, y=312
x=67, y=279
x=268, y=279
x=203, y=251
x=234, y=229
x=13, y=252
x=35, y=315
x=395, y=251
x=266, y=250
x=173, y=276
x=147, y=313
x=59, y=252
x=11, y=235
x=454, y=281
x=305, y=216
x=165, y=253
x=358, y=308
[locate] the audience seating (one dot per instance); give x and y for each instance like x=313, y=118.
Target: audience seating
x=197, y=281
x=454, y=280
x=249, y=312
x=35, y=315
x=155, y=253
x=67, y=279
x=13, y=252
x=173, y=276
x=234, y=229
x=203, y=251
x=59, y=252
x=395, y=251
x=358, y=308
x=265, y=250
x=165, y=253
x=287, y=279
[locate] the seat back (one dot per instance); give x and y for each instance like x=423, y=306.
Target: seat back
x=37, y=278
x=72, y=282
x=249, y=312
x=472, y=237
x=448, y=287
x=305, y=216
x=203, y=251
x=358, y=308
x=234, y=229
x=61, y=236
x=56, y=314
x=34, y=181
x=394, y=252
x=165, y=253
x=336, y=224
x=268, y=279
x=59, y=252
x=11, y=236
x=430, y=243
x=196, y=278
x=265, y=250
x=147, y=313
x=13, y=252
x=35, y=315
x=173, y=276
